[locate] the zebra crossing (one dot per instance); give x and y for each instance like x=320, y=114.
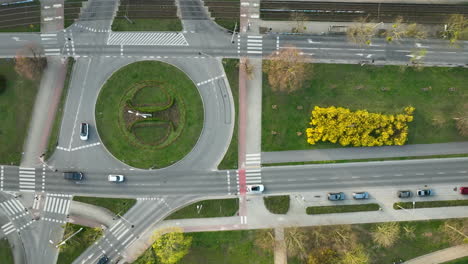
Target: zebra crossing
x=13, y=208
x=49, y=41
x=119, y=230
x=27, y=179
x=254, y=44
x=147, y=38
x=57, y=205
x=8, y=228
x=253, y=169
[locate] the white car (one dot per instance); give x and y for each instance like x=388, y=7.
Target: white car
x=255, y=189
x=116, y=178
x=84, y=131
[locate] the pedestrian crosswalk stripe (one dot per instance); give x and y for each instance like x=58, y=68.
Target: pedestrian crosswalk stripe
x=57, y=205
x=147, y=38
x=8, y=228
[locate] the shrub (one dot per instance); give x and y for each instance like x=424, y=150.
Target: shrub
x=277, y=204
x=359, y=128
x=3, y=84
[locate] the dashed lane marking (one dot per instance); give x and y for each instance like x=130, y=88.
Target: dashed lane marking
x=210, y=80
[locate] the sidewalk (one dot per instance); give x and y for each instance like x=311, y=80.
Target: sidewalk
x=441, y=256
x=350, y=153
x=90, y=215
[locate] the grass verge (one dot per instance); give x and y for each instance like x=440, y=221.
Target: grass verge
x=363, y=160
x=277, y=204
x=342, y=208
x=438, y=94
x=207, y=208
x=16, y=104
x=140, y=24
x=54, y=134
x=6, y=253
x=227, y=247
x=78, y=243
x=115, y=205
x=228, y=24
x=113, y=131
x=430, y=204
x=231, y=69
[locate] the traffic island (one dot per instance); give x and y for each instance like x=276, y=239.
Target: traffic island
x=207, y=208
x=76, y=239
x=149, y=114
x=342, y=208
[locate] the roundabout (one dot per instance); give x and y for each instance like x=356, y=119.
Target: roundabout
x=149, y=114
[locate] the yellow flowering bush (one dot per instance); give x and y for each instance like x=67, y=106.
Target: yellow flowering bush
x=359, y=128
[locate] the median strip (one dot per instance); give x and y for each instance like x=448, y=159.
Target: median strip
x=342, y=208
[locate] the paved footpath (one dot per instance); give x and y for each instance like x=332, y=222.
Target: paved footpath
x=441, y=256
x=414, y=150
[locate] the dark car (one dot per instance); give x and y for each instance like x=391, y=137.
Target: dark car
x=103, y=260
x=336, y=196
x=404, y=194
x=425, y=192
x=73, y=175
x=464, y=190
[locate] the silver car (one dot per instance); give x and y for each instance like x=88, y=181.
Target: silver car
x=336, y=196
x=360, y=195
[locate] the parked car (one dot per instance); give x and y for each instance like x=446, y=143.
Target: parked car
x=255, y=189
x=464, y=190
x=361, y=195
x=336, y=196
x=425, y=192
x=116, y=178
x=84, y=131
x=73, y=175
x=103, y=260
x=405, y=194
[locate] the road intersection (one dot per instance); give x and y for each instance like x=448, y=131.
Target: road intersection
x=197, y=51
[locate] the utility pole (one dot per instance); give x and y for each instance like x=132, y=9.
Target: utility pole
x=64, y=241
x=233, y=33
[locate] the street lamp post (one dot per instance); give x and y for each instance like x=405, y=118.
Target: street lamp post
x=41, y=159
x=64, y=241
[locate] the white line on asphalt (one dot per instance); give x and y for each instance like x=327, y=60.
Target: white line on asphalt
x=419, y=174
x=254, y=40
x=461, y=171
x=254, y=51
x=398, y=175
x=255, y=44
x=356, y=177
x=440, y=172
x=122, y=234
x=79, y=103
x=24, y=168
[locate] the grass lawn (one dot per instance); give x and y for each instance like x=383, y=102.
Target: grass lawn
x=232, y=72
x=356, y=87
x=342, y=208
x=277, y=204
x=16, y=104
x=6, y=254
x=110, y=109
x=209, y=208
x=141, y=24
x=115, y=205
x=54, y=134
x=228, y=247
x=458, y=261
x=228, y=23
x=78, y=243
x=429, y=204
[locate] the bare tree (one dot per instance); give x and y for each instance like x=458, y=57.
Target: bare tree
x=455, y=25
x=355, y=256
x=386, y=234
x=265, y=240
x=400, y=30
x=295, y=239
x=29, y=62
x=362, y=31
x=456, y=230
x=287, y=69
x=299, y=18
x=415, y=31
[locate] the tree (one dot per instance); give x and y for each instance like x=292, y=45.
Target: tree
x=323, y=256
x=400, y=30
x=386, y=234
x=247, y=66
x=461, y=121
x=355, y=256
x=417, y=58
x=361, y=32
x=29, y=62
x=299, y=18
x=455, y=25
x=456, y=230
x=415, y=31
x=265, y=240
x=295, y=239
x=171, y=245
x=287, y=69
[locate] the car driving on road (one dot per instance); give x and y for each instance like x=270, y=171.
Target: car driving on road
x=116, y=178
x=84, y=131
x=425, y=192
x=73, y=175
x=361, y=195
x=103, y=260
x=255, y=189
x=336, y=196
x=404, y=194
